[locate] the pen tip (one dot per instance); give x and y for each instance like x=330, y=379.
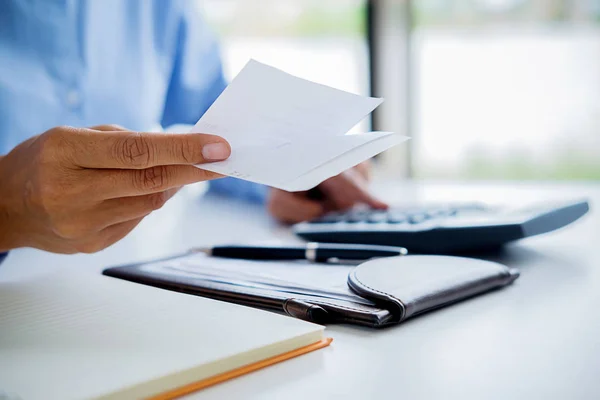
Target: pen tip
x=205, y=250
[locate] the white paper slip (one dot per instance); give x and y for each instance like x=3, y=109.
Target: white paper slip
x=287, y=132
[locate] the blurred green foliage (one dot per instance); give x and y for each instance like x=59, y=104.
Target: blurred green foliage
x=348, y=17
x=289, y=18
x=519, y=165
x=350, y=21
x=484, y=12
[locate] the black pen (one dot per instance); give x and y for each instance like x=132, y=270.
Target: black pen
x=315, y=252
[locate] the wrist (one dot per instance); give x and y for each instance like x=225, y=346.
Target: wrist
x=8, y=234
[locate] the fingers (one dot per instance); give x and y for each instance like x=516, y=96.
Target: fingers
x=113, y=184
x=337, y=193
x=112, y=220
x=362, y=196
x=108, y=128
x=293, y=207
x=106, y=237
x=117, y=149
x=115, y=211
x=114, y=233
x=364, y=169
x=346, y=190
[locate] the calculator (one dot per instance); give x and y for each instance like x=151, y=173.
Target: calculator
x=441, y=229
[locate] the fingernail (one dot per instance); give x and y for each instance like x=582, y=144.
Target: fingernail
x=215, y=151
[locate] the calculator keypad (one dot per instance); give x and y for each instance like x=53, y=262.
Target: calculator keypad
x=395, y=216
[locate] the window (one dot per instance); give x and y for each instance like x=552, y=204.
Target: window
x=506, y=89
x=324, y=41
x=487, y=89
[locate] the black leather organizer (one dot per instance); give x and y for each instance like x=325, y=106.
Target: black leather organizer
x=376, y=293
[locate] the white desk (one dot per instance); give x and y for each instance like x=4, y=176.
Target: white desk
x=537, y=339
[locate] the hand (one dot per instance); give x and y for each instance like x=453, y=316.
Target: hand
x=80, y=190
x=338, y=193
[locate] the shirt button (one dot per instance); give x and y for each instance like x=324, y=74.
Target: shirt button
x=73, y=98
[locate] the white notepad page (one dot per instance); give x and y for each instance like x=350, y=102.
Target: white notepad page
x=288, y=132
x=81, y=336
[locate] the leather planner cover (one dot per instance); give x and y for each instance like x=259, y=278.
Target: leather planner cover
x=376, y=293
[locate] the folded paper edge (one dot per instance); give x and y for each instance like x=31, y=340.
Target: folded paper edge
x=391, y=140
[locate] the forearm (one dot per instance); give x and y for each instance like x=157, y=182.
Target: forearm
x=4, y=213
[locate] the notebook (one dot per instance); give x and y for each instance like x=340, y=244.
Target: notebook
x=77, y=335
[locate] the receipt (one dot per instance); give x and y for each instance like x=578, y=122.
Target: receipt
x=287, y=132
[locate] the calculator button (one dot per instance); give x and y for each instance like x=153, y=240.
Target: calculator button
x=395, y=217
x=357, y=216
x=438, y=212
x=418, y=218
x=377, y=217
x=470, y=207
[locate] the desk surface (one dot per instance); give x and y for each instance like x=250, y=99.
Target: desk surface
x=539, y=338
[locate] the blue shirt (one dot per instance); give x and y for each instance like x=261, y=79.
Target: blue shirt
x=135, y=63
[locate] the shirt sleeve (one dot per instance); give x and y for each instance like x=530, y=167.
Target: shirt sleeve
x=2, y=257
x=197, y=80
x=249, y=191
